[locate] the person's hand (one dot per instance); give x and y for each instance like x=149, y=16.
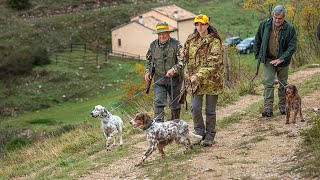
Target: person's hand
x=276, y=62
x=147, y=77
x=182, y=52
x=170, y=73
x=193, y=78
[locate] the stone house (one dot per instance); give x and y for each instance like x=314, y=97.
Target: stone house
x=134, y=38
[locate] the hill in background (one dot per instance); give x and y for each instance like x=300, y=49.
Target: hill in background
x=55, y=23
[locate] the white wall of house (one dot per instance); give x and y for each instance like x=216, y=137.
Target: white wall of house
x=134, y=38
x=184, y=29
x=131, y=38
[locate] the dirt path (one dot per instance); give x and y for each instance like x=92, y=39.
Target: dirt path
x=259, y=148
x=256, y=147
x=245, y=101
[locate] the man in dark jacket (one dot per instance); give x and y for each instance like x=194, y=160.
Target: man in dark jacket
x=163, y=55
x=275, y=43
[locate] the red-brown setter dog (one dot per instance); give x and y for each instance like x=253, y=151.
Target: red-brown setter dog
x=293, y=102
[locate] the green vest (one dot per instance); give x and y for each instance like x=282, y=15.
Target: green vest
x=164, y=56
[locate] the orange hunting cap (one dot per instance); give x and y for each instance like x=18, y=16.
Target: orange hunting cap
x=201, y=18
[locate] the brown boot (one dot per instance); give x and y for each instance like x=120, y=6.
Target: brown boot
x=175, y=114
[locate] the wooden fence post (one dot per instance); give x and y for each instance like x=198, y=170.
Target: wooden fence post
x=106, y=55
x=83, y=58
x=239, y=71
x=227, y=65
x=97, y=59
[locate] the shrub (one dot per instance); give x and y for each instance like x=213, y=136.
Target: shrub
x=17, y=63
x=19, y=4
x=40, y=56
x=20, y=62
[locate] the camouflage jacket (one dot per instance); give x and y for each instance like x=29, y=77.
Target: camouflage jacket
x=204, y=59
x=164, y=57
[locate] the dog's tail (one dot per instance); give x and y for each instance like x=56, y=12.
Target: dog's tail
x=194, y=138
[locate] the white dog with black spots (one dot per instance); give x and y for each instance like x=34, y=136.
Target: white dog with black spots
x=160, y=134
x=111, y=125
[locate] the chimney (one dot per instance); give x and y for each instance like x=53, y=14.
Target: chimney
x=176, y=14
x=140, y=20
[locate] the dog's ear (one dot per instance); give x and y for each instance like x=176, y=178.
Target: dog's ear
x=285, y=89
x=108, y=113
x=147, y=118
x=295, y=90
x=105, y=113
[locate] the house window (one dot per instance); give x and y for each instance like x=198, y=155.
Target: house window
x=119, y=42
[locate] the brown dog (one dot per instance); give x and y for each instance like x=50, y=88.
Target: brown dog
x=293, y=102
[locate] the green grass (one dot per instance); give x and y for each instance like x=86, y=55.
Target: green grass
x=55, y=101
x=69, y=155
x=57, y=98
x=309, y=155
x=232, y=119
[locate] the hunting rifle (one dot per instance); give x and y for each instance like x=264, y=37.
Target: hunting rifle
x=152, y=74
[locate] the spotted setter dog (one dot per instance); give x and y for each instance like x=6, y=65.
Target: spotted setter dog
x=160, y=134
x=111, y=125
x=293, y=102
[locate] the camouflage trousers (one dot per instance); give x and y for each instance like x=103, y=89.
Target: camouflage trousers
x=162, y=91
x=270, y=72
x=207, y=129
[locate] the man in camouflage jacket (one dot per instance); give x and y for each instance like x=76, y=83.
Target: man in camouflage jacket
x=164, y=55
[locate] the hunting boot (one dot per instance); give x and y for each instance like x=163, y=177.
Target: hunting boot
x=175, y=114
x=210, y=130
x=268, y=108
x=282, y=101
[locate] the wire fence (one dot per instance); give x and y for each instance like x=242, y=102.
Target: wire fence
x=79, y=56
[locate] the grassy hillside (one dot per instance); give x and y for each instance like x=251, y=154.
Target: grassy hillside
x=93, y=23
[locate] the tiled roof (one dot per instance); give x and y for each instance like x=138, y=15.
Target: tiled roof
x=151, y=22
x=171, y=9
x=148, y=22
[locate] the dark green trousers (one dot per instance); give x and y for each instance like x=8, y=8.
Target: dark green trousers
x=270, y=72
x=162, y=90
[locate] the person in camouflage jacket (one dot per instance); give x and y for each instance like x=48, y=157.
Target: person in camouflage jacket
x=205, y=73
x=163, y=56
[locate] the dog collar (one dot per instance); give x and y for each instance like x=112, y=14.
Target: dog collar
x=149, y=125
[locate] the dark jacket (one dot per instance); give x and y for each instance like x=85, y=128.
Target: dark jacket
x=287, y=42
x=163, y=57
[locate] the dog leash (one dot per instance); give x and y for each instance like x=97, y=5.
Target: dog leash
x=273, y=76
x=137, y=94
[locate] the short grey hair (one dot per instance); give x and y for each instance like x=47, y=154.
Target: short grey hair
x=278, y=10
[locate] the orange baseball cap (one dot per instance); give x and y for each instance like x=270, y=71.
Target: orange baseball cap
x=201, y=18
